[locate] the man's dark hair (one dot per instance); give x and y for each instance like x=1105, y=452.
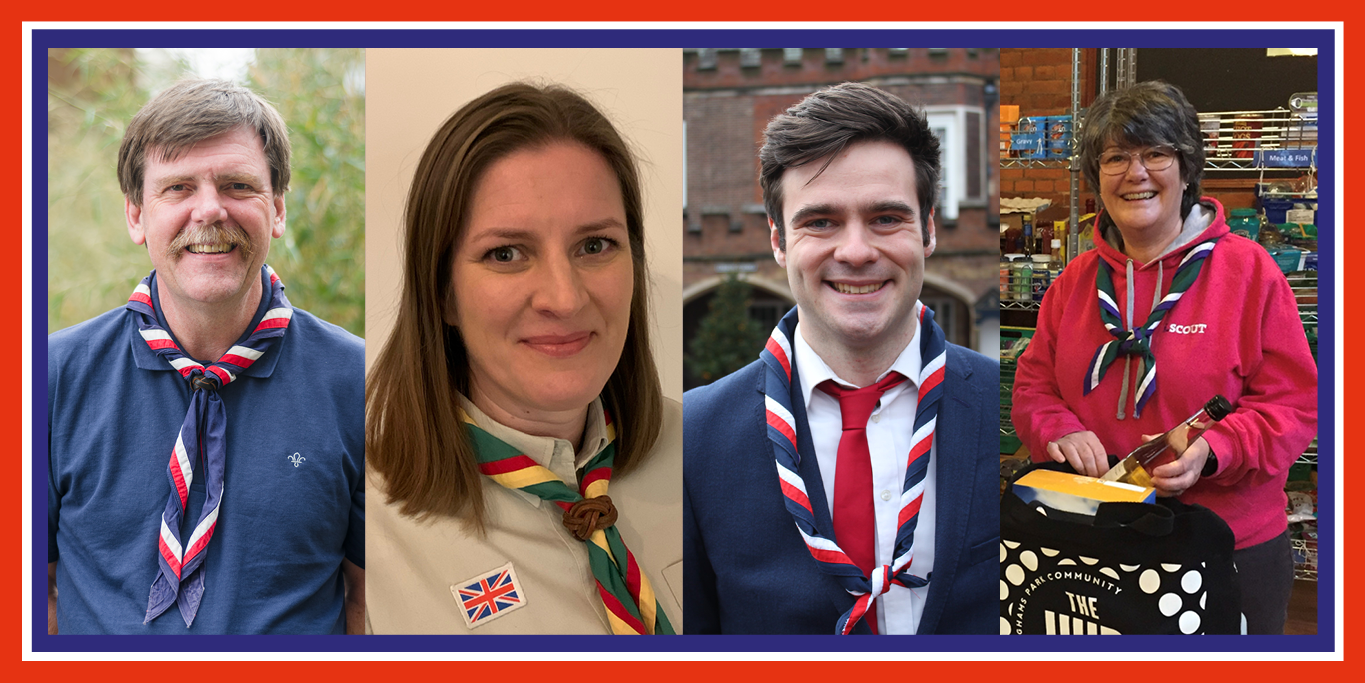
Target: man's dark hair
x=827, y=122
x=1143, y=115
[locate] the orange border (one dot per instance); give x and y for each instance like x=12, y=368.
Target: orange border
x=12, y=398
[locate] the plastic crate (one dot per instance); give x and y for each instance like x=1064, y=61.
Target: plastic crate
x=1275, y=209
x=1009, y=444
x=1288, y=260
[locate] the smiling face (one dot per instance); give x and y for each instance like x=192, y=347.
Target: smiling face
x=541, y=281
x=855, y=251
x=1140, y=201
x=207, y=218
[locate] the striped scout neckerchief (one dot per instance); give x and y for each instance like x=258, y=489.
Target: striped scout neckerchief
x=779, y=395
x=202, y=438
x=631, y=606
x=1138, y=341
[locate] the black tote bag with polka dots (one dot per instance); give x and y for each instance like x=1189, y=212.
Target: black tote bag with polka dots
x=1144, y=568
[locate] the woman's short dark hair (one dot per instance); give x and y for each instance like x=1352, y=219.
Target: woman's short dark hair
x=1143, y=115
x=413, y=434
x=827, y=122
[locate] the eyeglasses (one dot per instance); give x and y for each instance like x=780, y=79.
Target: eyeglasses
x=1158, y=158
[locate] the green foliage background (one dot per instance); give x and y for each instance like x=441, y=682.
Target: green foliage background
x=93, y=93
x=727, y=338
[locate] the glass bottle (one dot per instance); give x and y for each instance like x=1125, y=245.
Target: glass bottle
x=1168, y=447
x=1043, y=237
x=1009, y=239
x=1023, y=279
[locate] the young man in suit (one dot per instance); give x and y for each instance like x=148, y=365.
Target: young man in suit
x=847, y=480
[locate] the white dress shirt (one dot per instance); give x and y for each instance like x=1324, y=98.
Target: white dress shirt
x=888, y=438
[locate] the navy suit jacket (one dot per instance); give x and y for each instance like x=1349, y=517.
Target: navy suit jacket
x=745, y=567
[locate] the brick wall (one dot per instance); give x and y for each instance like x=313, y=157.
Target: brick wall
x=1038, y=81
x=859, y=64
x=721, y=165
x=727, y=106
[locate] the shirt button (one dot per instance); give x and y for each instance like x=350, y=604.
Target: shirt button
x=886, y=495
x=877, y=417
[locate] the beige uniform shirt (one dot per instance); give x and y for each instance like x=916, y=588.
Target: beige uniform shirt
x=411, y=566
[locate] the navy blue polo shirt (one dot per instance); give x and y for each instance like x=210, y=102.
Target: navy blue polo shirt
x=293, y=491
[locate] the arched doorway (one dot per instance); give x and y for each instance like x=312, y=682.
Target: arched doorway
x=768, y=302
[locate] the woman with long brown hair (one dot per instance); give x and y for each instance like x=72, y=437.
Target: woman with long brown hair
x=518, y=383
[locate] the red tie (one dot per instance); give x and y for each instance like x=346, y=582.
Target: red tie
x=855, y=522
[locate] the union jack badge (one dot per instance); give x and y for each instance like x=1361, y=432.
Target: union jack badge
x=488, y=596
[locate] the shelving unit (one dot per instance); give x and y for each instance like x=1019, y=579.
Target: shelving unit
x=1307, y=551
x=1261, y=140
x=1008, y=305
x=1006, y=390
x=1071, y=163
x=1275, y=142
x=1009, y=442
x=1012, y=162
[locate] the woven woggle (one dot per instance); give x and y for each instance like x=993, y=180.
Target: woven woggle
x=632, y=607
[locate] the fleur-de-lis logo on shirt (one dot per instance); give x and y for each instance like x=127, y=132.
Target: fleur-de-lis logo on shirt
x=296, y=459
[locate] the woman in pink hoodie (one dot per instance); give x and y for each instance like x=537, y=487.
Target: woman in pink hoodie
x=1168, y=310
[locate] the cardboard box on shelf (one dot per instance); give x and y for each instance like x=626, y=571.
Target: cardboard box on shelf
x=1011, y=220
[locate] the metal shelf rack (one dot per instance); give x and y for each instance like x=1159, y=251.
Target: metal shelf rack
x=1011, y=162
x=1008, y=305
x=1305, y=554
x=1260, y=140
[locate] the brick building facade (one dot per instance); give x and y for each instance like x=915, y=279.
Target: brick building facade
x=729, y=97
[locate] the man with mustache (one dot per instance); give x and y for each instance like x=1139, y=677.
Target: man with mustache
x=846, y=482
x=205, y=441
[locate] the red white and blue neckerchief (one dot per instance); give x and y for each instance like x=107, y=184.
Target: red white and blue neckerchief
x=202, y=439
x=487, y=597
x=779, y=395
x=1138, y=341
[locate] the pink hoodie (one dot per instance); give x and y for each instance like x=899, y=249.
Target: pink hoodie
x=1236, y=332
